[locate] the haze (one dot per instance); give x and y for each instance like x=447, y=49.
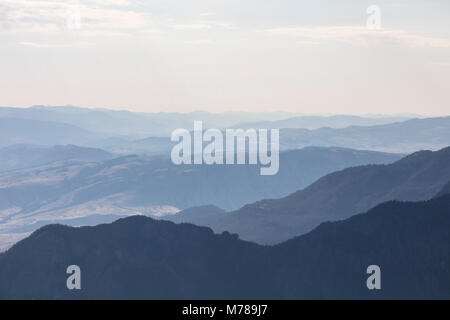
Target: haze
x=252, y=55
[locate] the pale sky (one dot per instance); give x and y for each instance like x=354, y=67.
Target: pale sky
x=314, y=56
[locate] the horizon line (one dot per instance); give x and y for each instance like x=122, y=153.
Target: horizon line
x=288, y=113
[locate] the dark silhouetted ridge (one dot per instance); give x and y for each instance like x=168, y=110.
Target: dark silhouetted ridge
x=142, y=258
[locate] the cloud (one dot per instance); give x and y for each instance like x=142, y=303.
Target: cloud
x=208, y=14
x=192, y=26
x=113, y=17
x=54, y=45
x=199, y=42
x=122, y=3
x=203, y=25
x=90, y=18
x=358, y=35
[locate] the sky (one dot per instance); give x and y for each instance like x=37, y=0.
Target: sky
x=320, y=56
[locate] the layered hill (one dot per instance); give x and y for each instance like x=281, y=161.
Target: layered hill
x=339, y=195
x=404, y=136
x=407, y=136
x=40, y=132
x=80, y=193
x=141, y=258
x=122, y=122
x=24, y=156
x=317, y=122
x=148, y=133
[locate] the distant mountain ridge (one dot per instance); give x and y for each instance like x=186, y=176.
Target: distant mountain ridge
x=122, y=122
x=408, y=136
x=339, y=195
x=131, y=185
x=316, y=122
x=40, y=132
x=398, y=137
x=24, y=156
x=126, y=132
x=140, y=258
